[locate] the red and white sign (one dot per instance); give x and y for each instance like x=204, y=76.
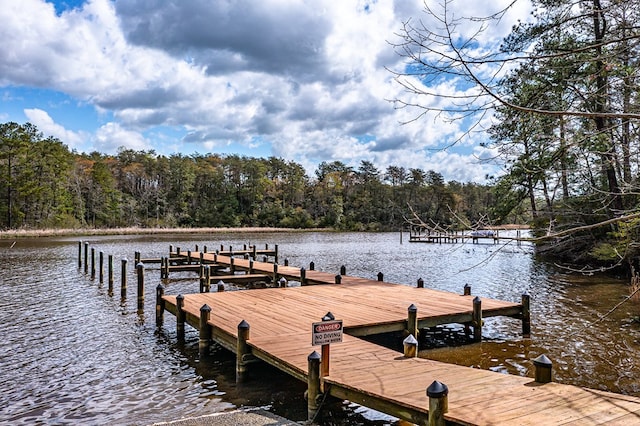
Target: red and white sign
x=326, y=332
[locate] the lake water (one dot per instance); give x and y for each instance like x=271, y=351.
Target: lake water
x=72, y=354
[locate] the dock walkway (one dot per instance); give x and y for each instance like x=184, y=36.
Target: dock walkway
x=280, y=321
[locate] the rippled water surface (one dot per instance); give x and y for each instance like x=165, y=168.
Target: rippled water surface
x=73, y=354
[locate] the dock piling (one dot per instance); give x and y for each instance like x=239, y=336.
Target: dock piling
x=86, y=257
x=420, y=283
x=410, y=345
x=343, y=270
x=338, y=279
x=526, y=316
x=220, y=286
x=543, y=366
x=380, y=276
x=207, y=278
x=140, y=271
x=303, y=276
x=412, y=320
x=110, y=274
x=79, y=254
x=324, y=370
x=242, y=350
x=180, y=317
x=467, y=290
x=312, y=266
x=101, y=267
x=438, y=403
x=204, y=343
x=93, y=263
x=123, y=278
x=313, y=385
x=477, y=319
x=159, y=305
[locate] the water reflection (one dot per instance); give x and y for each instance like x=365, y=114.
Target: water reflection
x=73, y=354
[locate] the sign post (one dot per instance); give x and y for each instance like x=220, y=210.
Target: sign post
x=328, y=331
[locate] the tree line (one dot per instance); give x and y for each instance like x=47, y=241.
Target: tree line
x=45, y=185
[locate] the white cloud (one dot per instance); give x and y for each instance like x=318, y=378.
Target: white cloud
x=43, y=121
x=307, y=76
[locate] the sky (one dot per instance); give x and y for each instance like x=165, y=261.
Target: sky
x=303, y=80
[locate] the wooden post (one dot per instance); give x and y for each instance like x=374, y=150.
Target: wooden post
x=343, y=270
x=420, y=283
x=338, y=279
x=477, y=319
x=204, y=343
x=467, y=290
x=197, y=250
x=410, y=345
x=170, y=249
x=526, y=316
x=201, y=277
x=86, y=257
x=303, y=276
x=204, y=249
x=93, y=263
x=275, y=273
x=188, y=257
x=543, y=367
x=123, y=278
x=180, y=317
x=159, y=305
x=438, y=403
x=110, y=274
x=207, y=278
x=220, y=286
x=312, y=266
x=282, y=283
x=136, y=257
x=313, y=384
x=412, y=320
x=242, y=351
x=101, y=268
x=251, y=265
x=326, y=359
x=253, y=252
x=201, y=258
x=380, y=276
x=79, y=254
x=286, y=262
x=140, y=270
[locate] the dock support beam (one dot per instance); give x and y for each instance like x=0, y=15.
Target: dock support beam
x=159, y=305
x=438, y=394
x=180, y=317
x=242, y=351
x=204, y=344
x=477, y=319
x=313, y=385
x=526, y=316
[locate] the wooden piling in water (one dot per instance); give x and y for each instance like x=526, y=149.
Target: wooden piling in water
x=207, y=278
x=420, y=283
x=181, y=317
x=140, y=295
x=110, y=274
x=93, y=263
x=159, y=305
x=313, y=385
x=412, y=320
x=79, y=254
x=343, y=270
x=380, y=276
x=467, y=290
x=303, y=276
x=526, y=316
x=86, y=258
x=204, y=342
x=410, y=345
x=101, y=268
x=477, y=319
x=123, y=278
x=242, y=351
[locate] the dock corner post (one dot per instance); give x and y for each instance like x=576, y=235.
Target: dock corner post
x=110, y=274
x=140, y=271
x=159, y=305
x=86, y=257
x=467, y=290
x=343, y=270
x=303, y=276
x=180, y=317
x=242, y=351
x=438, y=394
x=93, y=263
x=526, y=316
x=79, y=254
x=101, y=267
x=420, y=283
x=477, y=319
x=123, y=278
x=412, y=320
x=204, y=343
x=380, y=276
x=410, y=345
x=338, y=279
x=543, y=366
x=313, y=385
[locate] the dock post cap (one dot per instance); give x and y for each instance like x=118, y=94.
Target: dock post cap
x=328, y=317
x=542, y=361
x=160, y=287
x=282, y=281
x=476, y=299
x=314, y=356
x=205, y=308
x=244, y=325
x=220, y=282
x=410, y=340
x=437, y=390
x=412, y=308
x=140, y=265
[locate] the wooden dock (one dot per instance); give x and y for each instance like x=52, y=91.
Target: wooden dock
x=274, y=325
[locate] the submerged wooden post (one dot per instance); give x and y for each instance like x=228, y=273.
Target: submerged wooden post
x=101, y=267
x=420, y=283
x=159, y=305
x=123, y=278
x=380, y=276
x=110, y=274
x=86, y=257
x=410, y=345
x=543, y=367
x=477, y=319
x=79, y=254
x=242, y=351
x=412, y=320
x=204, y=342
x=180, y=317
x=313, y=384
x=526, y=316
x=438, y=403
x=140, y=271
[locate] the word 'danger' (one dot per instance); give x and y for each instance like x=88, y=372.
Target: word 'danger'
x=326, y=332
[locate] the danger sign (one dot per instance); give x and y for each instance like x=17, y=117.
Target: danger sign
x=326, y=332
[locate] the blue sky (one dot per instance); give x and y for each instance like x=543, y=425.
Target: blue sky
x=302, y=80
